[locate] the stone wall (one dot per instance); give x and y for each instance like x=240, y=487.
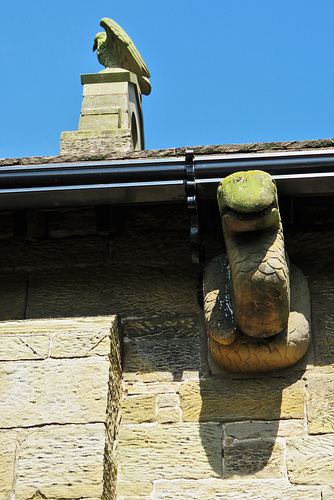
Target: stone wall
x=184, y=433
x=57, y=378
x=188, y=434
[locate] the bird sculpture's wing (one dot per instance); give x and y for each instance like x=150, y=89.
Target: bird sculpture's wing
x=136, y=62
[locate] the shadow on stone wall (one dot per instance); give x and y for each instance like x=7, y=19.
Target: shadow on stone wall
x=249, y=409
x=237, y=417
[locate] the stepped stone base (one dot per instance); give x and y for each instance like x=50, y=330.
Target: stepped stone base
x=81, y=142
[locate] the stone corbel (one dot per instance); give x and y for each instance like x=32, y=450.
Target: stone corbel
x=256, y=306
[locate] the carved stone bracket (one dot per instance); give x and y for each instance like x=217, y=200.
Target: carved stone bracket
x=257, y=310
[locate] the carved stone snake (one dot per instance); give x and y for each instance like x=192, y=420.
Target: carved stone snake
x=253, y=323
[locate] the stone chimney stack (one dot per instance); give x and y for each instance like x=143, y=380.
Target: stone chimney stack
x=111, y=118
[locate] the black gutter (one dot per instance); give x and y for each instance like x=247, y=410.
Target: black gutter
x=156, y=180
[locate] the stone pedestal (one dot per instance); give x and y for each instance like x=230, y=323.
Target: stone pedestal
x=111, y=118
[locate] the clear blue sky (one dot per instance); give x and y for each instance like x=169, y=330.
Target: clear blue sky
x=223, y=71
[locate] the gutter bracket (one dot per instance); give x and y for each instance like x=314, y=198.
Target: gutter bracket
x=196, y=249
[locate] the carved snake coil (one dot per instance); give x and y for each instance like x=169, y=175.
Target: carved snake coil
x=253, y=323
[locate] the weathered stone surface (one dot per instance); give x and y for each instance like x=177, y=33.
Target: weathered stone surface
x=239, y=353
x=229, y=399
x=169, y=416
x=138, y=409
x=53, y=391
x=108, y=88
x=33, y=339
x=154, y=248
x=110, y=290
x=62, y=462
x=82, y=337
x=303, y=247
x=323, y=328
x=72, y=223
x=323, y=293
x=232, y=490
x=200, y=150
x=161, y=349
x=160, y=327
x=93, y=156
x=320, y=407
x=156, y=388
x=311, y=460
x=168, y=409
x=127, y=490
x=8, y=440
x=160, y=220
x=13, y=289
x=168, y=401
x=259, y=147
x=16, y=254
x=6, y=225
x=113, y=413
x=90, y=142
x=169, y=452
x=262, y=458
x=110, y=121
x=327, y=493
x=257, y=430
x=103, y=103
x=23, y=347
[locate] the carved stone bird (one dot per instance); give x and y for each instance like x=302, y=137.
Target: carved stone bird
x=115, y=49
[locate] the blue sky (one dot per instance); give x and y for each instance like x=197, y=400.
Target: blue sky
x=223, y=71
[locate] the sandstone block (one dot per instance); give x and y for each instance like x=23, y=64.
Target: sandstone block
x=81, y=222
x=53, y=391
x=234, y=489
x=109, y=121
x=229, y=399
x=95, y=142
x=138, y=409
x=109, y=290
x=320, y=408
x=103, y=103
x=169, y=416
x=323, y=323
x=8, y=439
x=51, y=253
x=327, y=493
x=261, y=458
x=173, y=451
x=82, y=337
x=257, y=430
x=23, y=347
x=160, y=350
x=62, y=462
x=91, y=89
x=168, y=401
x=146, y=389
x=127, y=490
x=13, y=287
x=311, y=460
x=323, y=293
x=151, y=248
x=71, y=337
x=305, y=246
x=168, y=408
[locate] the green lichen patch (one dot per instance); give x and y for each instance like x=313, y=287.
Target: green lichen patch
x=249, y=191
